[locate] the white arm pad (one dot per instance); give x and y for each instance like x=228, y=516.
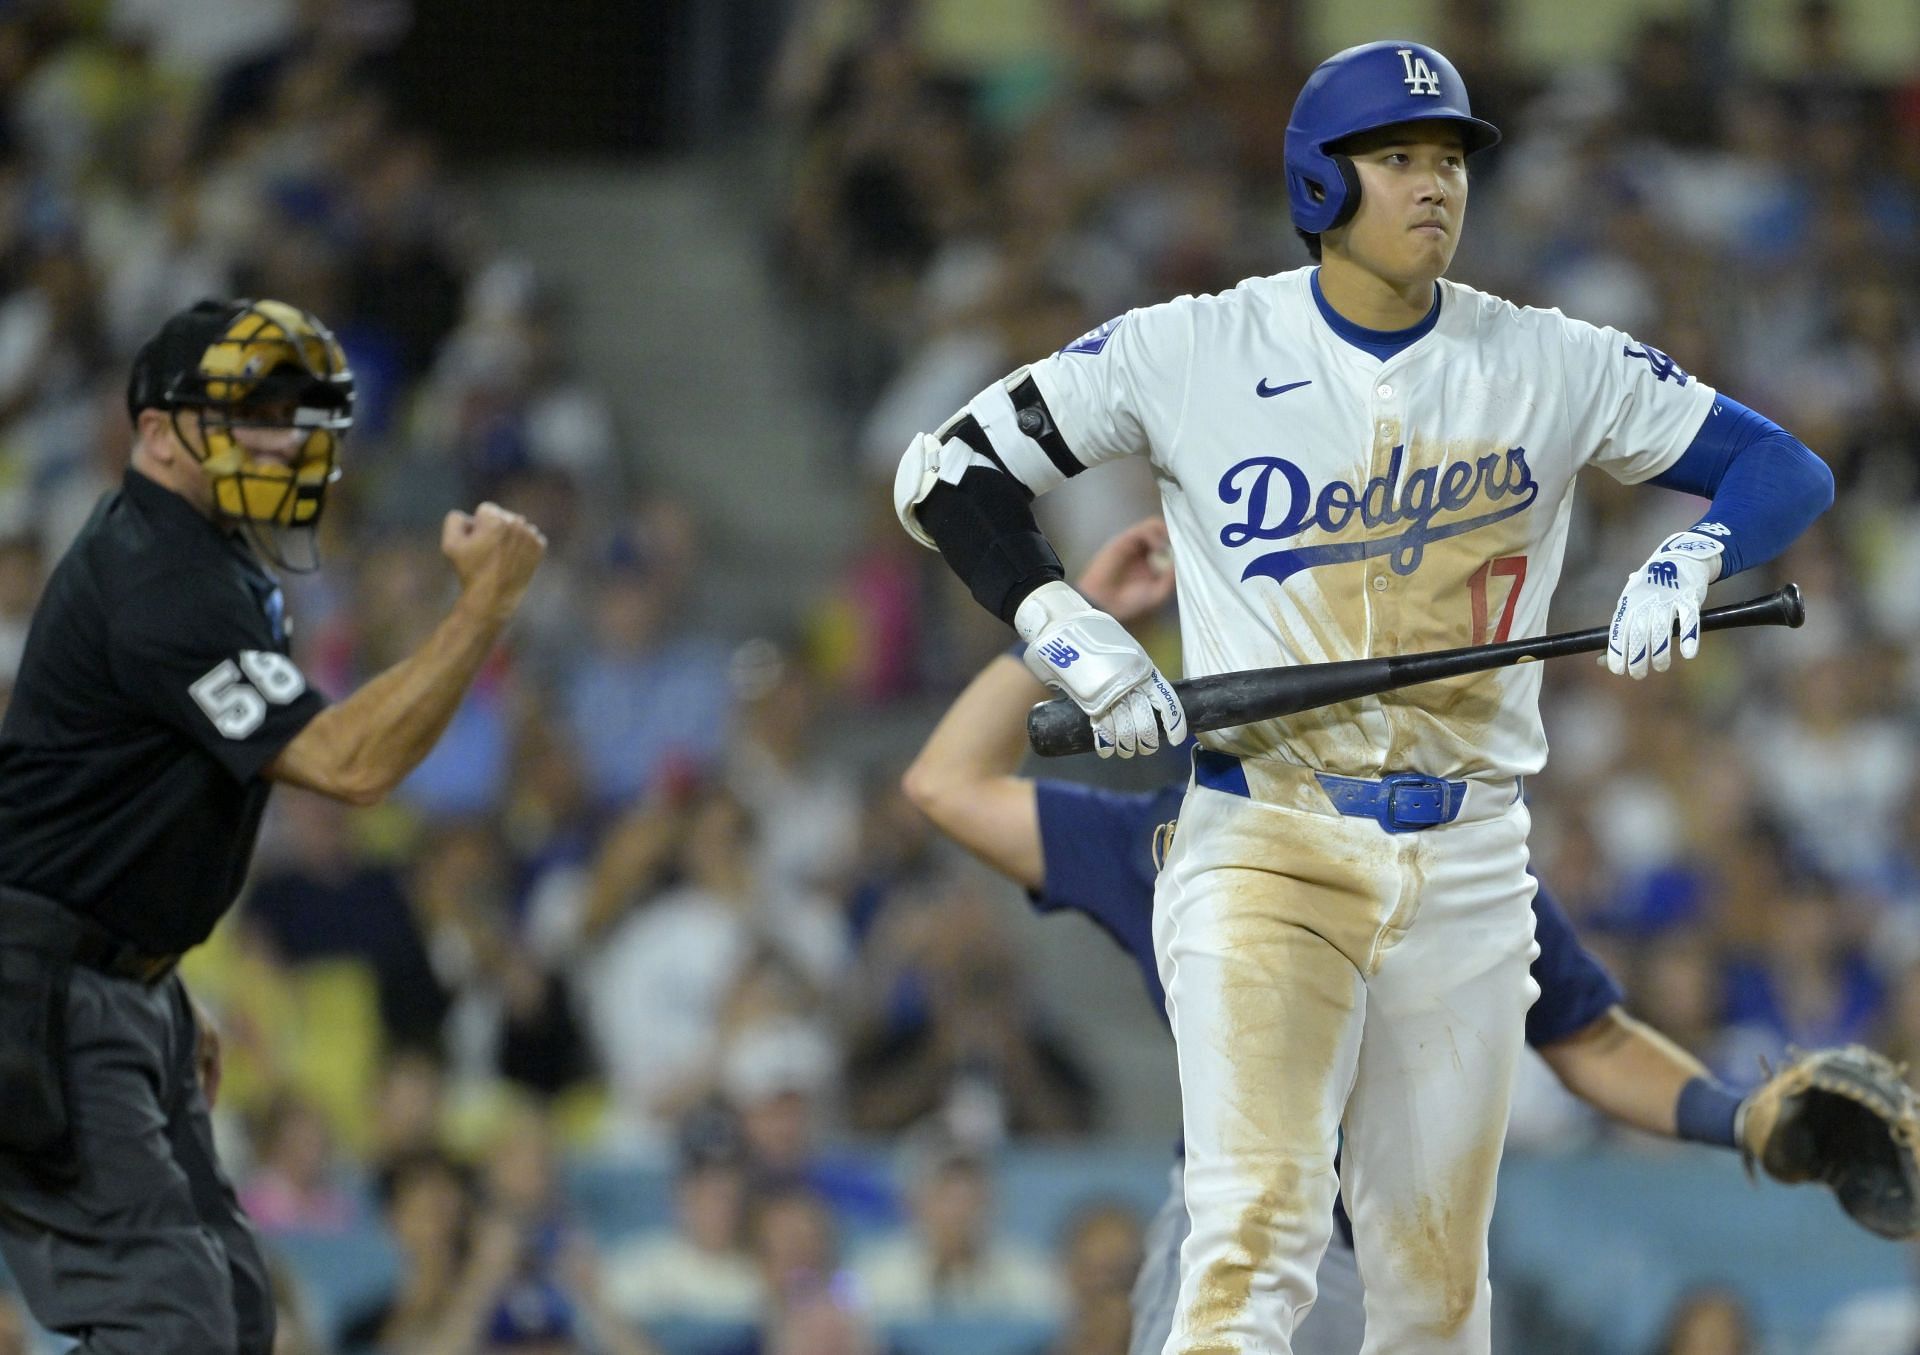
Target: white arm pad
x=927, y=462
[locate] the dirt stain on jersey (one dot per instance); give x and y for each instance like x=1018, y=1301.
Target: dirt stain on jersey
x=1364, y=608
x=1441, y=727
x=1346, y=738
x=1326, y=614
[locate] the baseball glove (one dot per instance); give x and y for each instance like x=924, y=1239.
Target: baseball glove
x=1846, y=1118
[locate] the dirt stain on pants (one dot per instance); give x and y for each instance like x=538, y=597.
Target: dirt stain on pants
x=1266, y=977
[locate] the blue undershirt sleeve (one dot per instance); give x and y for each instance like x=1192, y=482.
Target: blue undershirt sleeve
x=1766, y=486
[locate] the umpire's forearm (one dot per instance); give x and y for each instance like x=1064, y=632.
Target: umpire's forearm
x=1626, y=1070
x=361, y=748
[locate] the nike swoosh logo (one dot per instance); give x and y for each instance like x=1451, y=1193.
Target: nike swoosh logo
x=1268, y=392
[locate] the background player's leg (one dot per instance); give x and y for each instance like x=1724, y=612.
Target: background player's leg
x=121, y=1259
x=1338, y=1320
x=1257, y=913
x=1446, y=1011
x=1332, y=1328
x=1157, y=1286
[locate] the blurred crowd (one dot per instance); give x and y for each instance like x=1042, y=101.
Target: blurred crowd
x=629, y=910
x=635, y=908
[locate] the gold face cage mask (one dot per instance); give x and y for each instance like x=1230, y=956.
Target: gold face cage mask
x=274, y=367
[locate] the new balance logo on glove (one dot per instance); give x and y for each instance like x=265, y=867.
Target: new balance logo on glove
x=1059, y=653
x=1664, y=572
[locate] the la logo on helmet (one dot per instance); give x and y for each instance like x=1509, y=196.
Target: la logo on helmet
x=1420, y=76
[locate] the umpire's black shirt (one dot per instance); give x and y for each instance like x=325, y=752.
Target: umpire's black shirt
x=154, y=687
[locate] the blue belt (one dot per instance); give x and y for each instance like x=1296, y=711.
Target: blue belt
x=1403, y=802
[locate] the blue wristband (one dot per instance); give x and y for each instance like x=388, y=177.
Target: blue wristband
x=1706, y=1112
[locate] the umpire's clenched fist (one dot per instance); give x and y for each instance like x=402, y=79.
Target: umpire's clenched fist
x=494, y=552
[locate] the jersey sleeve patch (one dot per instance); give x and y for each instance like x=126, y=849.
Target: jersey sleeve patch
x=1094, y=340
x=236, y=697
x=1663, y=367
x=204, y=661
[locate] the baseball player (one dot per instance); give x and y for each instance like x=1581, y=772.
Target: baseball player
x=1078, y=849
x=155, y=706
x=1355, y=459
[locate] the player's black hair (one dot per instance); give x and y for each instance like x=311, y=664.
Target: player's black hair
x=1311, y=239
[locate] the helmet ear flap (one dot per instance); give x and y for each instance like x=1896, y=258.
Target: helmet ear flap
x=1323, y=189
x=1350, y=199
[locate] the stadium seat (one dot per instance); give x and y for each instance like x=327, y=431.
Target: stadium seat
x=1610, y=1241
x=969, y=1336
x=684, y=1336
x=615, y=1200
x=338, y=1272
x=1039, y=1189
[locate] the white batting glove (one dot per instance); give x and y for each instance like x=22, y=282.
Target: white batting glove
x=1089, y=656
x=1661, y=601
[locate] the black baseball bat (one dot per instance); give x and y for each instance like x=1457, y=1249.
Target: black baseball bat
x=1057, y=728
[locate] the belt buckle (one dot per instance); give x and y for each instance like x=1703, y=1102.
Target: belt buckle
x=1414, y=800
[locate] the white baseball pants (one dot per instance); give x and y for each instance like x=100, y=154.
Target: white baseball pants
x=1322, y=975
x=1336, y=1324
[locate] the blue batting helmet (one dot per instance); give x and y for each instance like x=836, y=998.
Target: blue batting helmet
x=1362, y=89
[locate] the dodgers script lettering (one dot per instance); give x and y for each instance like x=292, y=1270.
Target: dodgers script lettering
x=1427, y=505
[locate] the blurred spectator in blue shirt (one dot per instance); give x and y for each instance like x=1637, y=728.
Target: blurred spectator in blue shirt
x=1807, y=984
x=640, y=698
x=809, y=1306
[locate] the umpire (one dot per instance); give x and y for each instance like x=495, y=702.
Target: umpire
x=154, y=706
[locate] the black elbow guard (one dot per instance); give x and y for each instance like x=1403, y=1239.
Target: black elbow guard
x=985, y=530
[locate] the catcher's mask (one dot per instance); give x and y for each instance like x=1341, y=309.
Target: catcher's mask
x=240, y=365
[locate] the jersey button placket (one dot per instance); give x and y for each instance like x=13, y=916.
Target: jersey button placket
x=1382, y=633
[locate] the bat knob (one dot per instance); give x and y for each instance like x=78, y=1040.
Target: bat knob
x=1792, y=606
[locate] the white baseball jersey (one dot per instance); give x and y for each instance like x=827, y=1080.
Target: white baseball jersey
x=1326, y=505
